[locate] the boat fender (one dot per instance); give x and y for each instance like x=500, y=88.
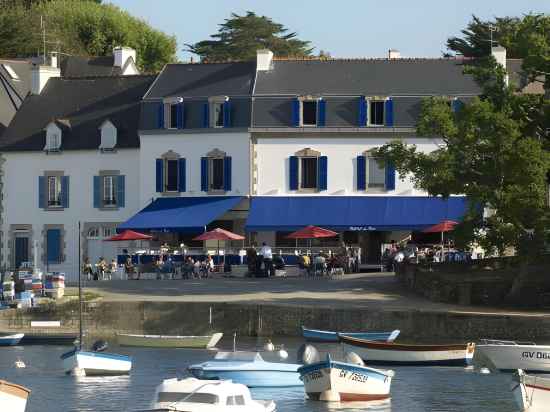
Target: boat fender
x=308, y=354
x=282, y=353
x=100, y=346
x=353, y=358
x=269, y=346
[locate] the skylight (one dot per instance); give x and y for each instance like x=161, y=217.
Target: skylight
x=10, y=71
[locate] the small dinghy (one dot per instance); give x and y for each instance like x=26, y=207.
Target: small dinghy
x=382, y=353
x=248, y=368
x=351, y=380
x=13, y=398
x=164, y=341
x=315, y=335
x=509, y=356
x=532, y=393
x=11, y=340
x=194, y=395
x=87, y=363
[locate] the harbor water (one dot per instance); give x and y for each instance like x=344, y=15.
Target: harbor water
x=414, y=389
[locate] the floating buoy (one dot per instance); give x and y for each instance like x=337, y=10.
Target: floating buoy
x=269, y=346
x=282, y=353
x=484, y=371
x=20, y=364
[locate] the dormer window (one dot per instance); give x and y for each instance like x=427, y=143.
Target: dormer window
x=217, y=112
x=108, y=136
x=309, y=111
x=53, y=138
x=171, y=113
x=376, y=112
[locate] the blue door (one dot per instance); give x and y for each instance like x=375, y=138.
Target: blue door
x=21, y=251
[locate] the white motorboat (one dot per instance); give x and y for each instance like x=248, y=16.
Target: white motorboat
x=86, y=363
x=532, y=393
x=509, y=356
x=194, y=395
x=13, y=398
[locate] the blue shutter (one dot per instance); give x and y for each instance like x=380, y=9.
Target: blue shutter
x=390, y=176
x=322, y=113
x=180, y=116
x=205, y=115
x=361, y=173
x=204, y=174
x=456, y=105
x=227, y=114
x=182, y=184
x=53, y=240
x=323, y=172
x=362, y=108
x=296, y=112
x=121, y=191
x=293, y=172
x=227, y=173
x=41, y=192
x=160, y=175
x=160, y=116
x=65, y=191
x=97, y=192
x=388, y=111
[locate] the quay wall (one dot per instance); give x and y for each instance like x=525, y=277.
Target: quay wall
x=264, y=320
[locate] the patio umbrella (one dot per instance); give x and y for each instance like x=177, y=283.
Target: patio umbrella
x=219, y=234
x=442, y=227
x=311, y=232
x=128, y=235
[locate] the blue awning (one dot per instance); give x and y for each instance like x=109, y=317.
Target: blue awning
x=352, y=212
x=181, y=214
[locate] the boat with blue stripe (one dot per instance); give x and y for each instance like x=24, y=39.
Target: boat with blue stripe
x=316, y=335
x=88, y=363
x=11, y=340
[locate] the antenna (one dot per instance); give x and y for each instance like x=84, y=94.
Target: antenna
x=43, y=27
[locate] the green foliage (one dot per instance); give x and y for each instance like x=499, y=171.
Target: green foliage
x=240, y=36
x=83, y=28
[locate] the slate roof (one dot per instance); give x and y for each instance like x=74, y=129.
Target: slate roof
x=204, y=80
x=13, y=92
x=78, y=66
x=520, y=80
x=83, y=104
x=366, y=76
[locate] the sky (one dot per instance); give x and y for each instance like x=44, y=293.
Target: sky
x=344, y=28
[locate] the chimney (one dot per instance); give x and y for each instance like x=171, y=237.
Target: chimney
x=53, y=59
x=122, y=54
x=394, y=54
x=40, y=74
x=264, y=59
x=499, y=53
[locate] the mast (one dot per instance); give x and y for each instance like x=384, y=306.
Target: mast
x=79, y=293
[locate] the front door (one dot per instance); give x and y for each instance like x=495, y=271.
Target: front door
x=21, y=251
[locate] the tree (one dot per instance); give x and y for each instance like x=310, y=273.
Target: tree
x=240, y=36
x=83, y=28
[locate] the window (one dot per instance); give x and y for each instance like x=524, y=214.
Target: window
x=54, y=191
x=216, y=174
x=376, y=112
x=53, y=141
x=309, y=113
x=235, y=400
x=171, y=175
x=196, y=397
x=108, y=136
x=109, y=191
x=173, y=116
x=218, y=114
x=108, y=232
x=376, y=174
x=308, y=172
x=93, y=233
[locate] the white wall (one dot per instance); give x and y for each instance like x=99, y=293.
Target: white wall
x=21, y=171
x=193, y=146
x=272, y=154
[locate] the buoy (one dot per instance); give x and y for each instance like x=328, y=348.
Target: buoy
x=20, y=364
x=269, y=346
x=282, y=353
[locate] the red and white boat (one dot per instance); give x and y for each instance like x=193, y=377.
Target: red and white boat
x=385, y=353
x=13, y=398
x=532, y=393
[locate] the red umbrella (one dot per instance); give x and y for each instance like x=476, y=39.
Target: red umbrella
x=442, y=227
x=219, y=234
x=311, y=232
x=128, y=235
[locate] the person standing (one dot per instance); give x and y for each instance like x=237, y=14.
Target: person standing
x=267, y=255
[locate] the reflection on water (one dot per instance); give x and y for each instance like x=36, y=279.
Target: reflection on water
x=413, y=389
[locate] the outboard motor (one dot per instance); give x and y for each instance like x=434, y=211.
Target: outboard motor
x=308, y=354
x=100, y=346
x=353, y=358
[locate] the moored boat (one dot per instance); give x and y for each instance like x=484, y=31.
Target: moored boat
x=315, y=335
x=87, y=363
x=336, y=381
x=382, y=353
x=11, y=340
x=13, y=398
x=194, y=395
x=163, y=341
x=509, y=356
x=532, y=393
x=248, y=368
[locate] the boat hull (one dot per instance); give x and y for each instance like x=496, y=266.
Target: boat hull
x=338, y=381
x=509, y=358
x=11, y=340
x=314, y=335
x=376, y=353
x=96, y=363
x=13, y=398
x=161, y=341
x=251, y=378
x=532, y=393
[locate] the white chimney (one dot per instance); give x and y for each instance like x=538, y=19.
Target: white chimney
x=122, y=54
x=53, y=59
x=499, y=53
x=264, y=58
x=40, y=75
x=394, y=54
